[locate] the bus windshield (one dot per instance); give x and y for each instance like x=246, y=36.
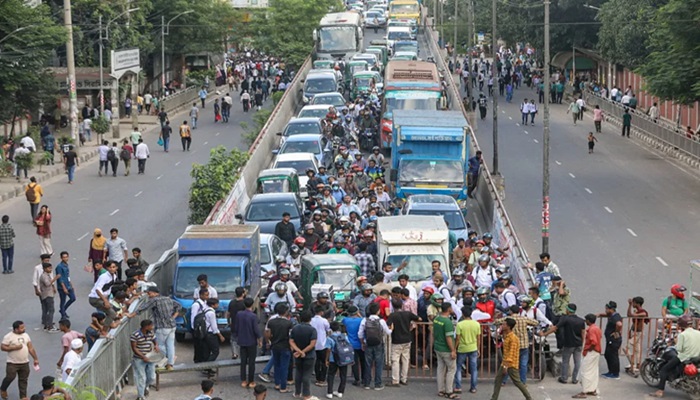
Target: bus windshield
x=404, y=8
x=337, y=38
x=430, y=171
x=428, y=101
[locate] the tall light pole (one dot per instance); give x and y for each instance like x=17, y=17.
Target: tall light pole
x=102, y=39
x=545, y=136
x=494, y=98
x=70, y=60
x=164, y=30
x=470, y=38
x=454, y=39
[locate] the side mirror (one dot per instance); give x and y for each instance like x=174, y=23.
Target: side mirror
x=239, y=217
x=278, y=133
x=315, y=35
x=394, y=175
x=275, y=151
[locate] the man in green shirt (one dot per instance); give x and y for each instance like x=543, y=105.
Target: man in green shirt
x=560, y=300
x=444, y=345
x=626, y=122
x=675, y=304
x=468, y=333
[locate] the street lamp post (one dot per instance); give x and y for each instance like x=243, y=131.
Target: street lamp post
x=545, y=136
x=102, y=39
x=164, y=30
x=454, y=38
x=494, y=98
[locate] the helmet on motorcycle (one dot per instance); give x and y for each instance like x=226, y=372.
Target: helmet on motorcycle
x=280, y=287
x=368, y=234
x=308, y=227
x=482, y=291
x=317, y=212
x=485, y=250
x=690, y=369
x=300, y=241
x=458, y=272
x=321, y=167
x=365, y=287
x=284, y=271
x=502, y=269
x=339, y=240
x=506, y=277
x=472, y=233
x=435, y=297
x=525, y=300
x=343, y=148
x=280, y=260
x=487, y=235
x=678, y=291
x=322, y=295
x=372, y=225
x=375, y=148
x=484, y=258
x=294, y=248
x=352, y=143
x=344, y=219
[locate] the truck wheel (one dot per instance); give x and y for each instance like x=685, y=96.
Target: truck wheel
x=179, y=337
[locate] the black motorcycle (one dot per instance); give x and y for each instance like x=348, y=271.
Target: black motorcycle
x=661, y=352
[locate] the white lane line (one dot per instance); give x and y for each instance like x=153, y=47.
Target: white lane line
x=205, y=143
x=114, y=212
x=572, y=175
x=608, y=209
x=159, y=176
x=178, y=163
x=661, y=260
x=526, y=132
x=138, y=194
x=536, y=141
x=217, y=133
x=503, y=111
x=588, y=190
x=510, y=118
x=558, y=162
x=631, y=232
x=517, y=124
x=84, y=236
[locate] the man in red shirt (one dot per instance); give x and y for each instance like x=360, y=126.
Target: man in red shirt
x=591, y=356
x=384, y=304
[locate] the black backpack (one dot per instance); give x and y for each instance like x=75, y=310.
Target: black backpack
x=111, y=154
x=373, y=332
x=124, y=154
x=199, y=327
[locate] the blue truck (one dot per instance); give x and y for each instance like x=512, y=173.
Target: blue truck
x=429, y=153
x=230, y=257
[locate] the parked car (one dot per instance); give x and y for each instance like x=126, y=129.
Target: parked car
x=265, y=210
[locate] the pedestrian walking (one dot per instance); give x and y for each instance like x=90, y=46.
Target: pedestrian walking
x=96, y=251
x=199, y=306
x=185, y=136
x=371, y=333
x=203, y=95
x=135, y=136
x=217, y=111
x=7, y=245
x=597, y=118
x=113, y=157
x=533, y=111
x=591, y=357
x=142, y=153
x=36, y=274
x=249, y=340
x=524, y=111
x=33, y=193
x=626, y=123
x=482, y=105
x=70, y=161
x=47, y=291
x=574, y=110
x=443, y=343
x=245, y=100
x=207, y=390
x=147, y=101
x=581, y=107
x=18, y=346
x=278, y=330
x=115, y=250
x=468, y=334
x=66, y=293
x=226, y=105
x=102, y=150
x=400, y=322
x=639, y=317
x=48, y=142
x=258, y=99
x=194, y=115
x=613, y=340
x=302, y=340
x=143, y=345
x=43, y=229
x=68, y=336
x=322, y=329
x=510, y=361
x=591, y=142
x=125, y=154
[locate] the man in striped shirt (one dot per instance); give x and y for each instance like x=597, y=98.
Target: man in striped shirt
x=163, y=312
x=143, y=342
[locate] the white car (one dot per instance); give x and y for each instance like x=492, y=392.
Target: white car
x=301, y=162
x=334, y=99
x=314, y=111
x=396, y=33
x=304, y=144
x=271, y=246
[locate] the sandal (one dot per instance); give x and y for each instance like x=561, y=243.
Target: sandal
x=579, y=396
x=654, y=394
x=251, y=385
x=285, y=390
x=457, y=391
x=472, y=390
x=441, y=394
x=244, y=384
x=451, y=396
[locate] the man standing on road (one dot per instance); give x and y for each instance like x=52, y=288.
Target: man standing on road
x=509, y=365
x=302, y=340
x=400, y=323
x=285, y=229
x=163, y=312
x=115, y=250
x=38, y=270
x=468, y=333
x=185, y=136
x=7, y=245
x=203, y=95
x=613, y=340
x=18, y=346
x=65, y=287
x=70, y=161
x=372, y=331
x=444, y=345
x=249, y=339
x=226, y=105
x=143, y=342
x=520, y=330
x=591, y=356
x=142, y=153
x=573, y=330
x=194, y=115
x=163, y=117
x=165, y=132
x=639, y=317
x=626, y=123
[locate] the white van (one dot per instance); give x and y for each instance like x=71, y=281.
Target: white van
x=396, y=33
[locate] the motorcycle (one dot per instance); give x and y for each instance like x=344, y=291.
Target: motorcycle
x=367, y=140
x=661, y=352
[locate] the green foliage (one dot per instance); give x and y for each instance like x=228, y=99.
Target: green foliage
x=100, y=125
x=35, y=133
x=84, y=393
x=24, y=161
x=672, y=69
x=276, y=97
x=213, y=181
x=198, y=77
x=259, y=120
x=7, y=168
x=29, y=36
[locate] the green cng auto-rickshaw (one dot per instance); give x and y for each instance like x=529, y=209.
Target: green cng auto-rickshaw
x=334, y=274
x=278, y=180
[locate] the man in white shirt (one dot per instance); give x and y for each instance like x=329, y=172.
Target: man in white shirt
x=626, y=100
x=28, y=143
x=21, y=150
x=102, y=150
x=72, y=358
x=203, y=282
x=581, y=107
x=524, y=111
x=141, y=153
x=87, y=129
x=147, y=100
x=99, y=295
x=38, y=270
x=613, y=93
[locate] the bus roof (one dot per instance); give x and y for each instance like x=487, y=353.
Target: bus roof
x=412, y=75
x=341, y=18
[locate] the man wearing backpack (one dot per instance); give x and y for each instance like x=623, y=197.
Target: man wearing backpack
x=112, y=157
x=125, y=155
x=199, y=335
x=33, y=193
x=339, y=356
x=371, y=333
x=185, y=136
x=400, y=322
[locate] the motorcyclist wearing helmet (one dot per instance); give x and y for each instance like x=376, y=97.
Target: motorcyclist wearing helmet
x=528, y=310
x=488, y=241
x=320, y=227
x=361, y=179
x=313, y=182
x=458, y=282
x=352, y=149
x=348, y=123
x=324, y=303
x=296, y=252
x=485, y=304
x=312, y=241
x=436, y=301
x=377, y=156
x=367, y=122
x=349, y=187
x=328, y=198
x=374, y=170
x=280, y=295
x=337, y=192
x=338, y=246
x=366, y=297
x=675, y=305
x=687, y=347
x=484, y=274
x=475, y=254
x=506, y=298
x=322, y=175
x=359, y=163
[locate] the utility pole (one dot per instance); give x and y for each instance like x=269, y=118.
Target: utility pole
x=470, y=38
x=70, y=59
x=102, y=94
x=454, y=39
x=162, y=55
x=494, y=72
x=545, y=136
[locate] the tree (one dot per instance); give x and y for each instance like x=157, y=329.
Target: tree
x=672, y=69
x=27, y=38
x=213, y=181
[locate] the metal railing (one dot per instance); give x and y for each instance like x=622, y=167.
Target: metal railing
x=660, y=130
x=180, y=99
x=109, y=360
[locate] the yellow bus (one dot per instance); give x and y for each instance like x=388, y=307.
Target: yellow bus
x=405, y=9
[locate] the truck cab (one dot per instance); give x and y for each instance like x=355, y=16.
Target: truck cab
x=230, y=257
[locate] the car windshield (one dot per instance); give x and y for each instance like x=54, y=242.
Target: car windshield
x=302, y=127
x=271, y=210
x=399, y=35
x=341, y=277
x=453, y=218
x=314, y=113
x=419, y=266
x=224, y=280
x=369, y=59
x=336, y=101
x=405, y=47
x=319, y=85
x=310, y=146
x=358, y=68
x=363, y=82
x=299, y=165
x=404, y=8
x=374, y=14
x=430, y=171
x=275, y=186
x=337, y=38
x=424, y=102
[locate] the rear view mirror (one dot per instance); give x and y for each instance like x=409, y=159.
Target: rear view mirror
x=239, y=216
x=275, y=151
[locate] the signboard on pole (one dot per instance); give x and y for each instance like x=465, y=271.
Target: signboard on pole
x=124, y=61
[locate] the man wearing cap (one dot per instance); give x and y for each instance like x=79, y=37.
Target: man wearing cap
x=473, y=259
x=560, y=299
x=613, y=340
x=573, y=331
x=285, y=229
x=163, y=312
x=72, y=358
x=687, y=346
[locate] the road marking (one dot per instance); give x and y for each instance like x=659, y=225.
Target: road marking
x=608, y=209
x=217, y=133
x=510, y=118
x=84, y=236
x=178, y=163
x=661, y=260
x=503, y=111
x=114, y=212
x=159, y=176
x=138, y=194
x=205, y=143
x=588, y=190
x=535, y=140
x=631, y=232
x=572, y=175
x=526, y=132
x=558, y=162
x=517, y=124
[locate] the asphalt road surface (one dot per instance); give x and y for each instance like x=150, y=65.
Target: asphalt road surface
x=149, y=210
x=622, y=218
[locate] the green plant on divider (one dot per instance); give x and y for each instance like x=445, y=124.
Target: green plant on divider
x=24, y=161
x=84, y=393
x=100, y=126
x=277, y=96
x=46, y=159
x=259, y=120
x=7, y=168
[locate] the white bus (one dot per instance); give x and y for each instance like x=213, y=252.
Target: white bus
x=338, y=37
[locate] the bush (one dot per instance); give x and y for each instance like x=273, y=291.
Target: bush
x=100, y=125
x=213, y=181
x=7, y=168
x=198, y=77
x=276, y=97
x=259, y=120
x=24, y=161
